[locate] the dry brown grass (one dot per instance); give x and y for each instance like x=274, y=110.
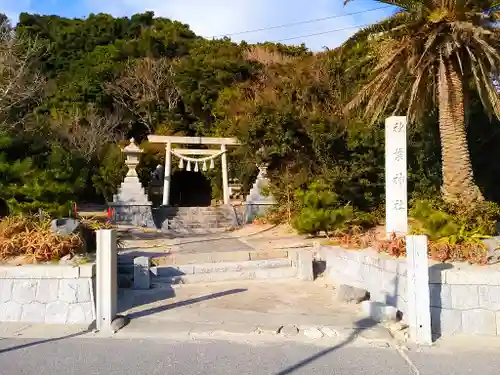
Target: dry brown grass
x=354, y=238
x=31, y=237
x=266, y=56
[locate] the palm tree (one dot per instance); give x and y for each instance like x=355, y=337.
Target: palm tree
x=430, y=53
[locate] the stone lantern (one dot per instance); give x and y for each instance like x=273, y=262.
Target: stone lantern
x=132, y=153
x=256, y=203
x=131, y=205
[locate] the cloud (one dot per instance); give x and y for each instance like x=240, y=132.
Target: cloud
x=12, y=8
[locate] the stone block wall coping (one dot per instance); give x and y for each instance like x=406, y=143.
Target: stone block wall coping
x=439, y=273
x=47, y=271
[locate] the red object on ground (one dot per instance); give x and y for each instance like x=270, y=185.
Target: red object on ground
x=110, y=215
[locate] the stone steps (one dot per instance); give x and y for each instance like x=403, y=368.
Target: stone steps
x=220, y=266
x=197, y=219
x=220, y=257
x=201, y=268
x=254, y=274
x=183, y=223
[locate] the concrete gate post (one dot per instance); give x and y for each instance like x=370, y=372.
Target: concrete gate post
x=107, y=283
x=167, y=174
x=225, y=179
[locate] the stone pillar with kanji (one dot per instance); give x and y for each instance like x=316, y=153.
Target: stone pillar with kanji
x=396, y=189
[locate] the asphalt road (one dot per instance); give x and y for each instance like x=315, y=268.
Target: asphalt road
x=82, y=356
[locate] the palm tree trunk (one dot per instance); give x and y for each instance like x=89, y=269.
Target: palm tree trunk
x=458, y=178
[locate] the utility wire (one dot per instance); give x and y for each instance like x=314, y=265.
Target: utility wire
x=302, y=22
x=322, y=33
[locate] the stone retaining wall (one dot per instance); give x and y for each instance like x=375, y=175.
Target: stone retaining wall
x=464, y=298
x=58, y=294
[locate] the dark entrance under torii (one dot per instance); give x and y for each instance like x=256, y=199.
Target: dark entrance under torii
x=190, y=189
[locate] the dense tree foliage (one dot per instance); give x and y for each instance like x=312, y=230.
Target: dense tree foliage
x=102, y=80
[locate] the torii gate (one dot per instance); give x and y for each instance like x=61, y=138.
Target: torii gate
x=186, y=159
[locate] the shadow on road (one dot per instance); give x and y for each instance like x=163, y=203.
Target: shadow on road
x=46, y=341
x=360, y=326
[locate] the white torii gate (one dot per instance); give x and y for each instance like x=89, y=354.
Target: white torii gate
x=185, y=155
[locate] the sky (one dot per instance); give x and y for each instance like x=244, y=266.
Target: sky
x=215, y=18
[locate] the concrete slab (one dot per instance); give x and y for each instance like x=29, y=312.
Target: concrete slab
x=45, y=331
x=243, y=308
x=12, y=329
x=249, y=237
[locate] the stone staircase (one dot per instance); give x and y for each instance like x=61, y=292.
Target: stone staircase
x=197, y=220
x=213, y=267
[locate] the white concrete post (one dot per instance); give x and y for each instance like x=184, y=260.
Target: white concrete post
x=396, y=195
x=419, y=310
x=225, y=179
x=107, y=282
x=168, y=172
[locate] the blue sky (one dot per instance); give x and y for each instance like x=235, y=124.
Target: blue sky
x=217, y=17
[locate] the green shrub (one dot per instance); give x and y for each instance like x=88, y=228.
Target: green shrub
x=438, y=219
x=321, y=210
x=455, y=232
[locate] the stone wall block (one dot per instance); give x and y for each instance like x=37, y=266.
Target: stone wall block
x=68, y=291
x=6, y=286
x=346, y=254
x=336, y=264
x=374, y=284
x=390, y=283
x=402, y=268
x=24, y=291
x=489, y=297
x=468, y=276
x=437, y=275
x=402, y=284
x=353, y=271
x=371, y=258
x=479, y=322
x=47, y=271
x=497, y=318
x=89, y=311
x=76, y=314
x=440, y=296
x=464, y=296
x=47, y=290
x=33, y=312
x=56, y=312
x=83, y=292
x=391, y=265
x=446, y=322
x=10, y=311
x=87, y=270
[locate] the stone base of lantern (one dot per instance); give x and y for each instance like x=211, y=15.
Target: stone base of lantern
x=256, y=209
x=138, y=215
x=131, y=205
x=257, y=204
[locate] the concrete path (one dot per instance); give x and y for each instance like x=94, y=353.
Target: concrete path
x=302, y=310
x=249, y=237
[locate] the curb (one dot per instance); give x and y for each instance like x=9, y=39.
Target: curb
x=320, y=335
